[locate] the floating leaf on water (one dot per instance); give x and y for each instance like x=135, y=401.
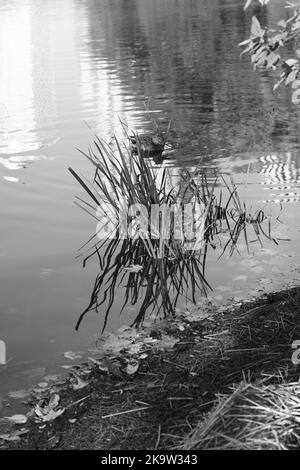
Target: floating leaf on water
x=11, y=179
x=51, y=378
x=258, y=269
x=115, y=343
x=19, y=394
x=133, y=268
x=124, y=328
x=72, y=355
x=240, y=278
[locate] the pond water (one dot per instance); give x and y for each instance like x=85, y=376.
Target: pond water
x=73, y=67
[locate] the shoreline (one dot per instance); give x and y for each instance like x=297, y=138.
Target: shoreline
x=160, y=403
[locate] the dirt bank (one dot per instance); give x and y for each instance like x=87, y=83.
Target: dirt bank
x=174, y=389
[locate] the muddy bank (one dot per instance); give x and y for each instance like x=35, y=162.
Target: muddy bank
x=156, y=406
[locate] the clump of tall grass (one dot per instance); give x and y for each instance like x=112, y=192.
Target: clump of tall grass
x=254, y=416
x=154, y=270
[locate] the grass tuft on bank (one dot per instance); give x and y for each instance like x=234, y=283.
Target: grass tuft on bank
x=253, y=416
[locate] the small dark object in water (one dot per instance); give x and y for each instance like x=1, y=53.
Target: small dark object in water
x=149, y=145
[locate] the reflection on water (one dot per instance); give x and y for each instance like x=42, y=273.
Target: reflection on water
x=68, y=66
x=26, y=79
x=281, y=173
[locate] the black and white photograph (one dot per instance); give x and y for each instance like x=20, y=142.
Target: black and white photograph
x=149, y=228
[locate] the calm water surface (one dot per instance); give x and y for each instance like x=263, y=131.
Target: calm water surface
x=70, y=66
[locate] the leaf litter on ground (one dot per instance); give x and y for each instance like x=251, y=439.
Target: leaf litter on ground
x=48, y=412
x=121, y=351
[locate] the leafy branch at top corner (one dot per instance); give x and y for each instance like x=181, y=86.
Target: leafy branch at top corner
x=262, y=2
x=264, y=45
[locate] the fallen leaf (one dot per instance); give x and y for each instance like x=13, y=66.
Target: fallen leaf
x=51, y=378
x=124, y=328
x=43, y=384
x=133, y=268
x=150, y=340
x=9, y=437
x=48, y=412
x=143, y=356
x=80, y=383
x=100, y=364
x=17, y=419
x=51, y=415
x=135, y=348
x=72, y=355
x=19, y=394
x=38, y=391
x=132, y=367
x=241, y=278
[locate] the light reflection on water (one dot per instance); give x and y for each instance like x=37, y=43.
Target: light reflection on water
x=68, y=66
